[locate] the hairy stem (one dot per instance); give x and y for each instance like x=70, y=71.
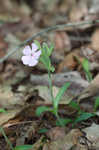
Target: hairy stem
x=50, y=86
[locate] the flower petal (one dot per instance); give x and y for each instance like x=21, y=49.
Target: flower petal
x=37, y=54
x=26, y=60
x=32, y=62
x=27, y=50
x=34, y=47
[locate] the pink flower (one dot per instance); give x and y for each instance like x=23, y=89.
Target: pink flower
x=31, y=55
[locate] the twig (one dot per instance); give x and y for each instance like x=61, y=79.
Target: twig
x=53, y=28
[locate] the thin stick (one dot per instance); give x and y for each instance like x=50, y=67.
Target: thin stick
x=53, y=28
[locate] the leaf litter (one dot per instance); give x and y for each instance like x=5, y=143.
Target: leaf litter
x=22, y=91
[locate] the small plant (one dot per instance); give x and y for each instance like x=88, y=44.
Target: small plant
x=82, y=117
x=2, y=110
x=42, y=54
x=23, y=147
x=96, y=105
x=86, y=67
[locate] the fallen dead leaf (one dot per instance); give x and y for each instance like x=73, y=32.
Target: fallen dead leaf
x=93, y=6
x=67, y=142
x=44, y=93
x=38, y=144
x=79, y=11
x=62, y=42
x=93, y=135
x=56, y=133
x=13, y=43
x=91, y=90
x=5, y=117
x=69, y=61
x=95, y=40
x=87, y=98
x=3, y=47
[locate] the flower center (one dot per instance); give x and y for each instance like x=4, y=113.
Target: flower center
x=32, y=54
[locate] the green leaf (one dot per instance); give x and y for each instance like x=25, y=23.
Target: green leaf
x=47, y=49
x=60, y=94
x=52, y=69
x=44, y=130
x=44, y=56
x=2, y=110
x=83, y=116
x=85, y=65
x=51, y=49
x=74, y=105
x=42, y=109
x=96, y=105
x=45, y=61
x=89, y=76
x=86, y=68
x=63, y=122
x=23, y=147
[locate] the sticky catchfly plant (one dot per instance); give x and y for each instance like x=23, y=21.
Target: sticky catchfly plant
x=31, y=55
x=43, y=53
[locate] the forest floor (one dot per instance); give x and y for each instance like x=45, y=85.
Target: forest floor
x=73, y=27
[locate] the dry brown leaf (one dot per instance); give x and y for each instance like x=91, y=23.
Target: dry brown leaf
x=95, y=40
x=69, y=61
x=87, y=97
x=5, y=117
x=3, y=47
x=66, y=5
x=93, y=6
x=11, y=99
x=56, y=133
x=79, y=11
x=8, y=99
x=93, y=135
x=66, y=142
x=62, y=42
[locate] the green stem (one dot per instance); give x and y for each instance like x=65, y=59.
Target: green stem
x=58, y=118
x=50, y=86
x=52, y=97
x=6, y=138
